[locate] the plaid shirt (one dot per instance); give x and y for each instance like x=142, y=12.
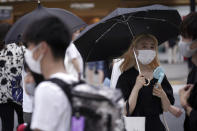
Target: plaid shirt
x=11, y=64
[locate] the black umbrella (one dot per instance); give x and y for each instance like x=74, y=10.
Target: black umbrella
x=110, y=37
x=72, y=21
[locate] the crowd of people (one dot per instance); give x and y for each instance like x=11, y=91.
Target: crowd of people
x=49, y=52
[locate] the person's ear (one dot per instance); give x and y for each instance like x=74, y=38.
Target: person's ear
x=44, y=47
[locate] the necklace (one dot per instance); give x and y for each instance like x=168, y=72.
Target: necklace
x=147, y=82
x=147, y=79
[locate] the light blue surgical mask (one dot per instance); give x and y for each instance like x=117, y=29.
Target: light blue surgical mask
x=30, y=87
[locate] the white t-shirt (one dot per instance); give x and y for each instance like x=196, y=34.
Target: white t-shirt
x=52, y=109
x=73, y=53
x=27, y=99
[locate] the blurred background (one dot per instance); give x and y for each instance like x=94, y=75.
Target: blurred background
x=91, y=11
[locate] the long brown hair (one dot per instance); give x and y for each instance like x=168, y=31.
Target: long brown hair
x=128, y=56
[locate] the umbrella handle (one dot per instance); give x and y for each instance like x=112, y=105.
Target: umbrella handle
x=137, y=61
x=147, y=80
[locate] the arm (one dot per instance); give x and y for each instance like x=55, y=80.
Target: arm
x=159, y=92
x=76, y=64
x=187, y=109
x=184, y=94
x=73, y=54
x=165, y=92
x=140, y=81
x=165, y=102
x=133, y=99
x=123, y=84
x=175, y=111
x=127, y=85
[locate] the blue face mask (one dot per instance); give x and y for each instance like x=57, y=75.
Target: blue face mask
x=30, y=87
x=185, y=50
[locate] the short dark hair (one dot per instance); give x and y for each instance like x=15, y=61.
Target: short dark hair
x=189, y=26
x=4, y=28
x=51, y=30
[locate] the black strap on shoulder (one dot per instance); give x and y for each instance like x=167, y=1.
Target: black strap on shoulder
x=64, y=86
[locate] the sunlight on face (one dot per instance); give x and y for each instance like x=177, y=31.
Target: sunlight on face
x=145, y=44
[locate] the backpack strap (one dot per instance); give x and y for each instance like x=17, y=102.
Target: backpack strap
x=64, y=86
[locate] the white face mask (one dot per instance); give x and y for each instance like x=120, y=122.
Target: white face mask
x=185, y=50
x=33, y=64
x=146, y=56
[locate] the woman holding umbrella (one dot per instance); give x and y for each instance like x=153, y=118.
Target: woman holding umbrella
x=138, y=86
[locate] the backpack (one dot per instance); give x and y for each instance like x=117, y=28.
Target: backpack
x=93, y=108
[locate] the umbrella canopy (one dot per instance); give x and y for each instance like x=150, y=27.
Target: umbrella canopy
x=72, y=21
x=110, y=37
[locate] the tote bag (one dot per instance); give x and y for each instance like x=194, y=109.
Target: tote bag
x=134, y=123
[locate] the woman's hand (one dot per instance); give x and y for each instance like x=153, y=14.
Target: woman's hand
x=177, y=112
x=140, y=81
x=184, y=94
x=159, y=92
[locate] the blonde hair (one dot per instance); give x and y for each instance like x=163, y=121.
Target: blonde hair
x=128, y=56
